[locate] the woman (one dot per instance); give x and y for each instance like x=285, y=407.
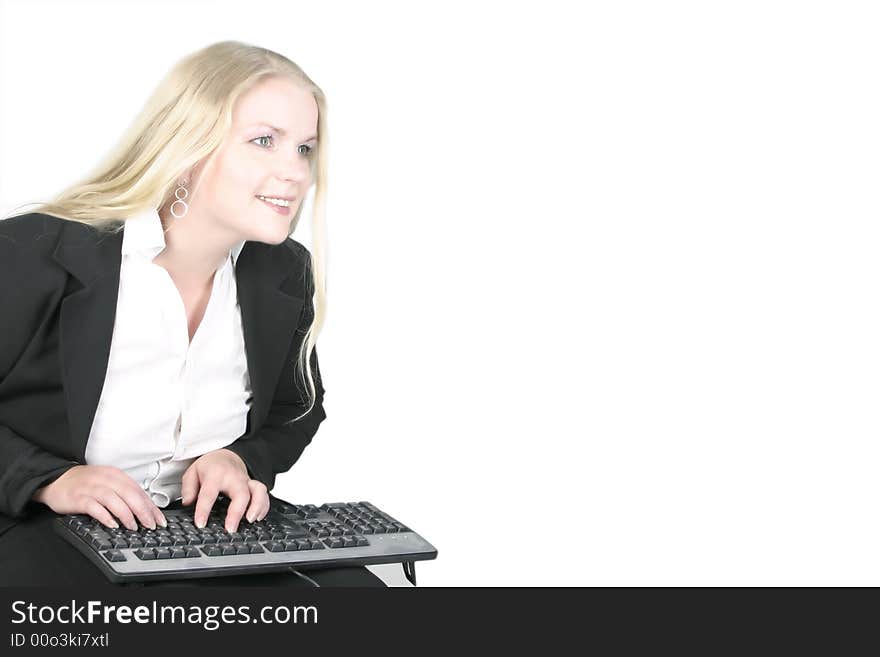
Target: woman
x=157, y=320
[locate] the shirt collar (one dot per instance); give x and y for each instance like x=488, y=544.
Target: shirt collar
x=143, y=234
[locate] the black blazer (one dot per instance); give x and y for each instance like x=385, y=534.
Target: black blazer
x=59, y=282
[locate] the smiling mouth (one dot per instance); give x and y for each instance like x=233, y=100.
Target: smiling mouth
x=280, y=209
x=288, y=201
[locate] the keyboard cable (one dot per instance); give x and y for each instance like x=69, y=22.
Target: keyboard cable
x=305, y=577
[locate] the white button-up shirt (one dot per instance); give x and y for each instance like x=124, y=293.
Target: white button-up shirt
x=165, y=400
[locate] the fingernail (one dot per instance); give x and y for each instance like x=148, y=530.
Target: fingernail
x=164, y=522
x=114, y=525
x=250, y=518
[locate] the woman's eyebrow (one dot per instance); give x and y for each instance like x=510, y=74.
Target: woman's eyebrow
x=280, y=131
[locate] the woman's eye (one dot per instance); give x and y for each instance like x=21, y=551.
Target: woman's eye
x=309, y=152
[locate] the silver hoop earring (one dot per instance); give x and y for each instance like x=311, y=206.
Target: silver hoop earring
x=180, y=188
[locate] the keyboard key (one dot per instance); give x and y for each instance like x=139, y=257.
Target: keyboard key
x=114, y=555
x=101, y=544
x=212, y=551
x=228, y=548
x=145, y=554
x=256, y=549
x=361, y=541
x=193, y=552
x=274, y=546
x=178, y=552
x=163, y=553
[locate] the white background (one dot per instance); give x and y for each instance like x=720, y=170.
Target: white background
x=602, y=276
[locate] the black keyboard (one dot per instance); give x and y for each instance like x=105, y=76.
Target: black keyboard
x=289, y=537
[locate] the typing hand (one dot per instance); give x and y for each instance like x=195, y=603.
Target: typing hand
x=223, y=471
x=102, y=492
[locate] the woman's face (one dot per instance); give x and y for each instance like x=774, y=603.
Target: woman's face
x=268, y=152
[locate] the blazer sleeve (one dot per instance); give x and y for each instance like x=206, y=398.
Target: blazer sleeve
x=24, y=466
x=274, y=448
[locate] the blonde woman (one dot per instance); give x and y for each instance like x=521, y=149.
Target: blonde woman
x=159, y=324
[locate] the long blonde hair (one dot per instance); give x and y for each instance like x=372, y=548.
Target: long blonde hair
x=184, y=120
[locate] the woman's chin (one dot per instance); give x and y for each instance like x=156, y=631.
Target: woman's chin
x=273, y=235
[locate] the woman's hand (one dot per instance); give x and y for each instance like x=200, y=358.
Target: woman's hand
x=223, y=471
x=102, y=492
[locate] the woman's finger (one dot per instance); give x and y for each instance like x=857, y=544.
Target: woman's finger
x=139, y=503
x=189, y=485
x=154, y=510
x=160, y=516
x=137, y=499
x=266, y=506
x=117, y=506
x=207, y=496
x=259, y=500
x=239, y=498
x=99, y=513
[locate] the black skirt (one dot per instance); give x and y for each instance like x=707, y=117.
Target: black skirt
x=33, y=554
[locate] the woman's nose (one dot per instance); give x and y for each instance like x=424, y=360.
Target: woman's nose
x=298, y=169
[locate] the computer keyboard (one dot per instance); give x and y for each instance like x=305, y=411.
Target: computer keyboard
x=290, y=536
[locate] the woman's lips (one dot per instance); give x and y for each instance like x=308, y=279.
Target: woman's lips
x=280, y=209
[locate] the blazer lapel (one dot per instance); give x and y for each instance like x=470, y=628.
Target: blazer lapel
x=268, y=295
